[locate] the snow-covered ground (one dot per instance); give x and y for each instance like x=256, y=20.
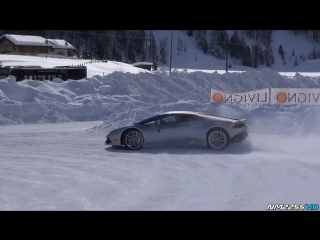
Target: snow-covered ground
x=93, y=68
x=66, y=167
x=62, y=163
x=99, y=68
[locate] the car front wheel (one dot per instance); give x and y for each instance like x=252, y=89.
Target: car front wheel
x=133, y=139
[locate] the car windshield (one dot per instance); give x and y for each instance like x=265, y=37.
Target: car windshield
x=146, y=120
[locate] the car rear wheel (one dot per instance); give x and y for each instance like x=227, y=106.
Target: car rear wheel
x=133, y=139
x=218, y=139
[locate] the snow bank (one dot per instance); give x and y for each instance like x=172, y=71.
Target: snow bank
x=93, y=67
x=121, y=98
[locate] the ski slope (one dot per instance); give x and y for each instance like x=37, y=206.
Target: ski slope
x=53, y=157
x=194, y=58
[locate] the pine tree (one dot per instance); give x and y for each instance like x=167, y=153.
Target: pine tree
x=163, y=50
x=269, y=58
x=205, y=46
x=114, y=54
x=255, y=50
x=247, y=59
x=99, y=51
x=138, y=41
x=281, y=52
x=232, y=48
x=131, y=53
x=153, y=50
x=143, y=56
x=179, y=44
x=237, y=45
x=261, y=57
x=119, y=57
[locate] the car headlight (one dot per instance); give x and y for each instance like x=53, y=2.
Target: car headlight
x=230, y=125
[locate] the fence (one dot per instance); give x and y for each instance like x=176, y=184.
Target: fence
x=270, y=96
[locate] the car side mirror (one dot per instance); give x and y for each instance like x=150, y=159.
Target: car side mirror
x=153, y=124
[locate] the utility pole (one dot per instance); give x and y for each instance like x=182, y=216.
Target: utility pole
x=171, y=51
x=146, y=40
x=226, y=52
x=153, y=51
x=152, y=42
x=127, y=61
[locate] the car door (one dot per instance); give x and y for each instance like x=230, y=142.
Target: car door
x=193, y=126
x=167, y=130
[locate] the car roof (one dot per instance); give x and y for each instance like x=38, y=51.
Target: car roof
x=171, y=112
x=179, y=112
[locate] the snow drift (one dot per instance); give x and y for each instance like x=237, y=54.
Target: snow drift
x=121, y=98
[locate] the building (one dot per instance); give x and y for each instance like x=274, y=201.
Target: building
x=60, y=47
x=33, y=45
x=143, y=65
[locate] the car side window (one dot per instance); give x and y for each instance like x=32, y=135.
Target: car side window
x=172, y=119
x=191, y=118
x=168, y=120
x=156, y=119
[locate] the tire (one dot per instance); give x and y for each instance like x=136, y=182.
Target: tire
x=218, y=139
x=133, y=139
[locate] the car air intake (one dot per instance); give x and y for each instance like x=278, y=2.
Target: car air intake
x=239, y=125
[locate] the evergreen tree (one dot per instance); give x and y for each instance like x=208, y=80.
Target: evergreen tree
x=255, y=50
x=99, y=51
x=269, y=58
x=153, y=49
x=261, y=57
x=163, y=50
x=247, y=59
x=281, y=52
x=190, y=33
x=114, y=54
x=205, y=46
x=143, y=56
x=131, y=53
x=179, y=44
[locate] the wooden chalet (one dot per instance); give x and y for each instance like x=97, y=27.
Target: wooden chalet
x=33, y=45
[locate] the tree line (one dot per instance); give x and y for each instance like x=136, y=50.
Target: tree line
x=250, y=48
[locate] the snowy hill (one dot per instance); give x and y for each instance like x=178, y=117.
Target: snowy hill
x=194, y=57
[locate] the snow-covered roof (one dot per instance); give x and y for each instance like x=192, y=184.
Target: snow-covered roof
x=25, y=40
x=59, y=43
x=142, y=63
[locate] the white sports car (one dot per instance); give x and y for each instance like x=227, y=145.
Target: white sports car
x=216, y=132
